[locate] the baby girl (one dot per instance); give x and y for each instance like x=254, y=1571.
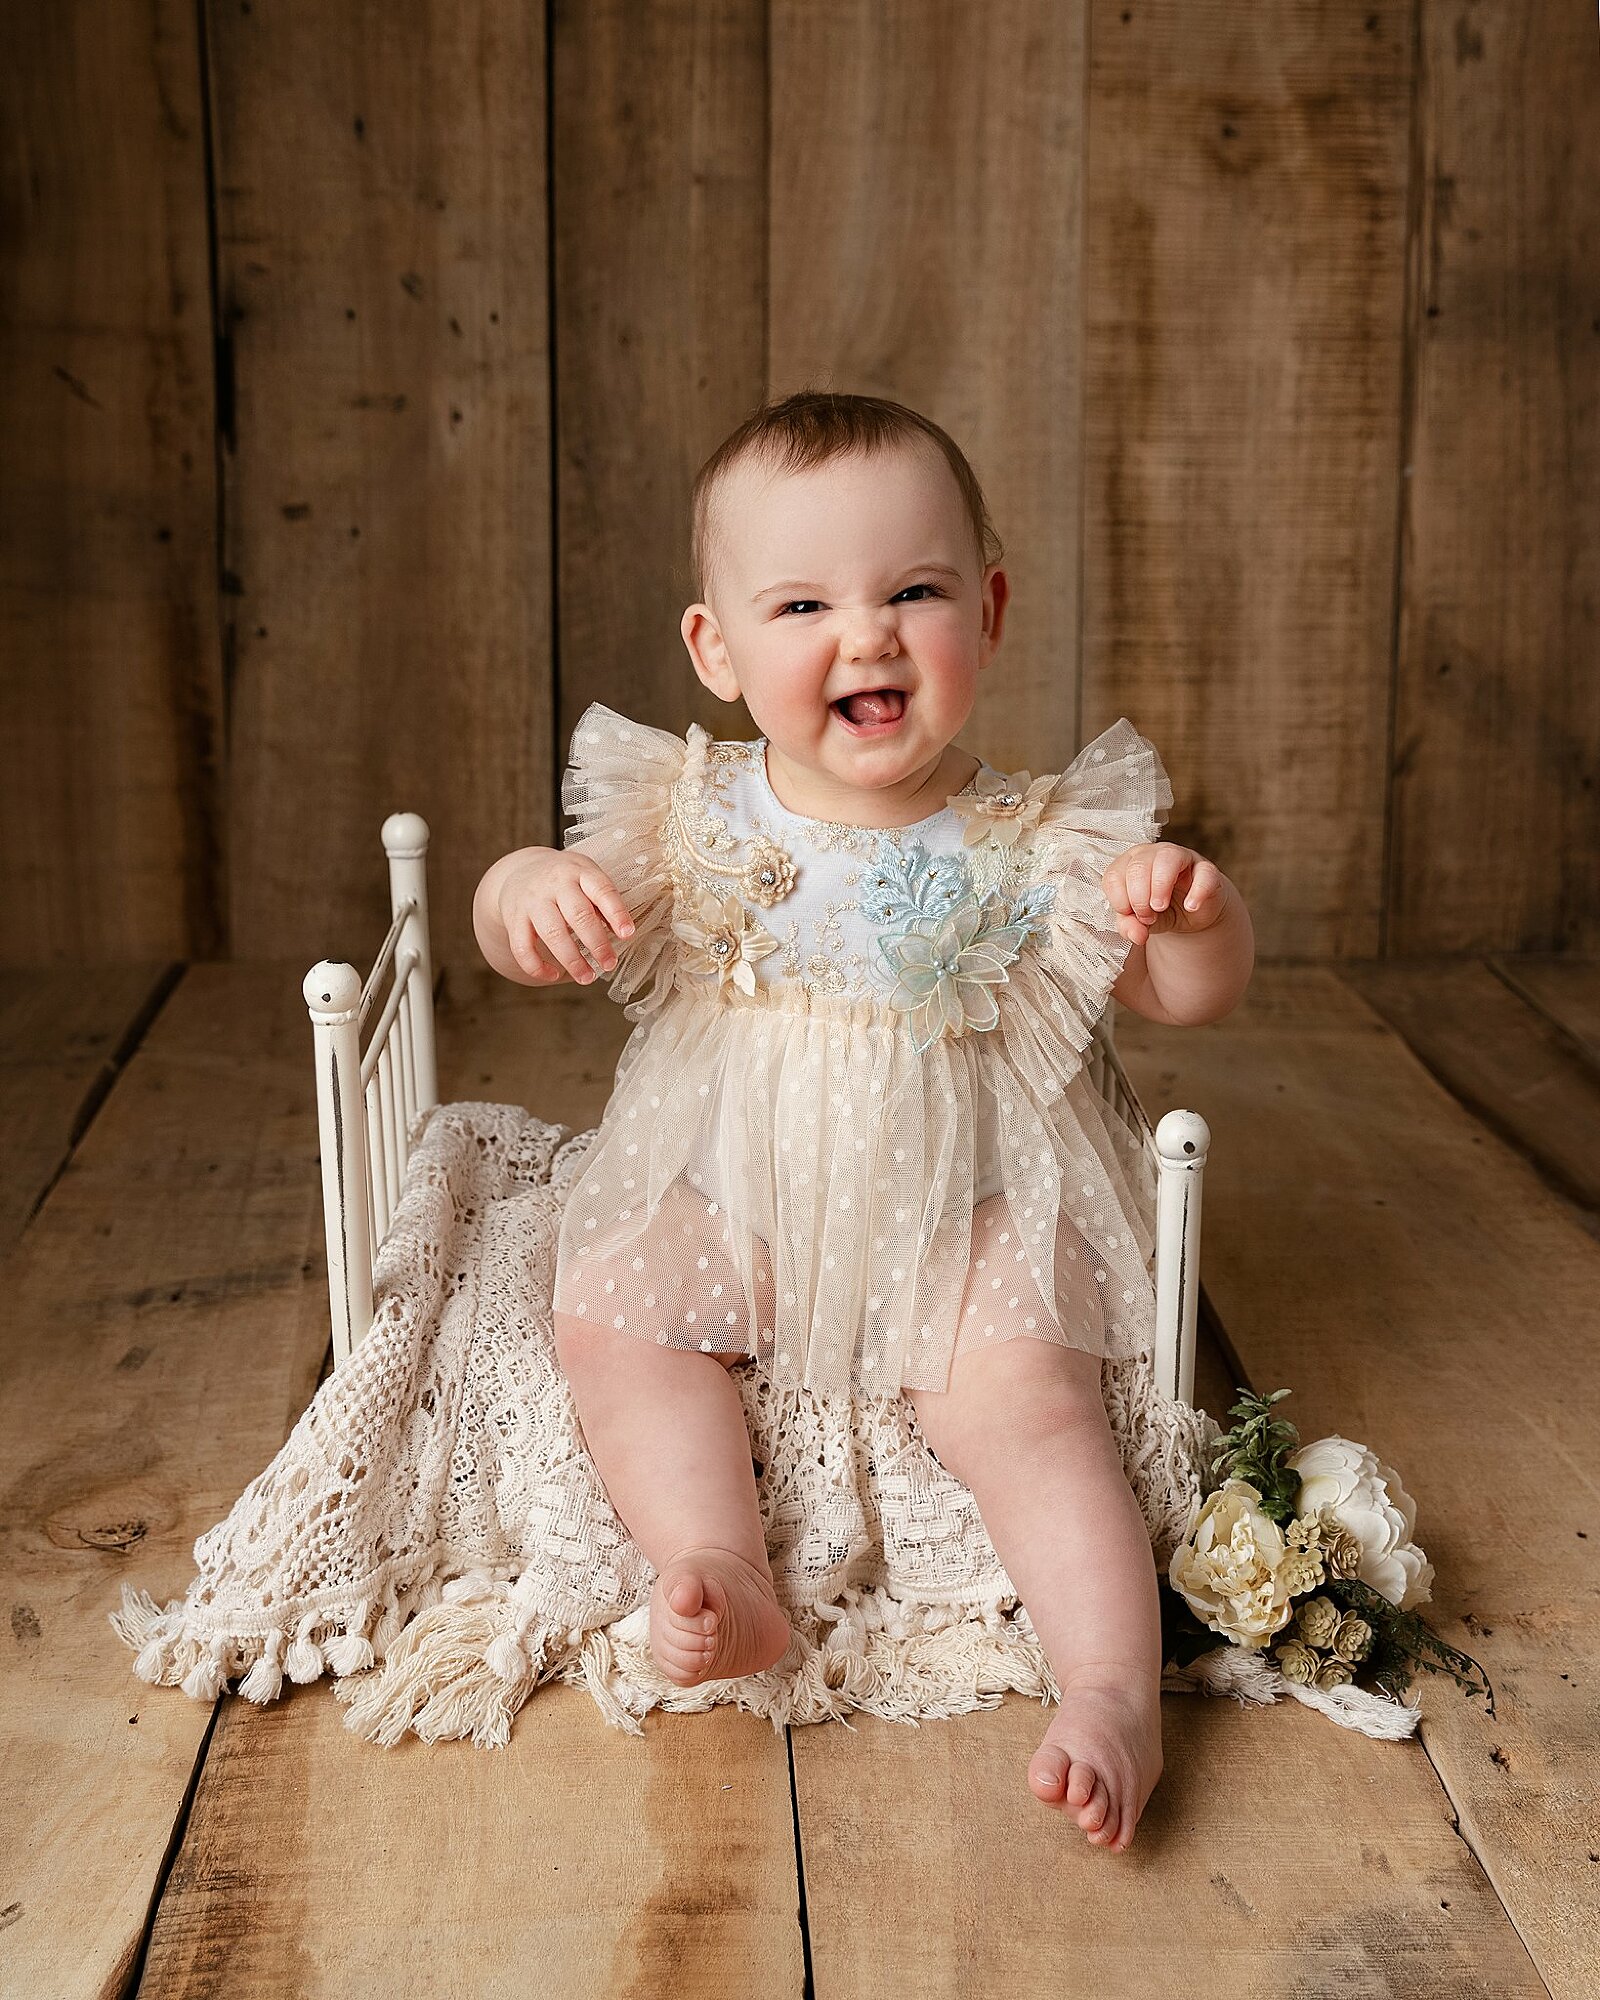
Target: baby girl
x=852, y=1142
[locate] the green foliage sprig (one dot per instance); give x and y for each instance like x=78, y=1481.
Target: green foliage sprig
x=1402, y=1643
x=1255, y=1450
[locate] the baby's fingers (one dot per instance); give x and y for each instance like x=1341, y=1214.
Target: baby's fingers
x=1167, y=864
x=1204, y=886
x=602, y=891
x=524, y=942
x=556, y=934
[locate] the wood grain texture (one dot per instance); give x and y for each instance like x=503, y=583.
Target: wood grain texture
x=1515, y=1069
x=927, y=195
x=165, y=1321
x=1371, y=1247
x=1243, y=290
x=577, y=1861
x=110, y=687
x=64, y=1037
x=1565, y=988
x=932, y=1871
x=381, y=227
x=660, y=152
x=1496, y=840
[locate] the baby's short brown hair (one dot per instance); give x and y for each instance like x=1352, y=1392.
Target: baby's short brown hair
x=811, y=428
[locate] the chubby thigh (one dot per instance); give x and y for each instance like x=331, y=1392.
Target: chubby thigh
x=676, y=1282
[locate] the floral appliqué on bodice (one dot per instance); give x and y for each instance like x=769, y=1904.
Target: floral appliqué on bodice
x=925, y=926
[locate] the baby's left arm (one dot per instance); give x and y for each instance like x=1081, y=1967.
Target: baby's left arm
x=1193, y=942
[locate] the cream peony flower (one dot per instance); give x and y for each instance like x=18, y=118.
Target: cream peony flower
x=1365, y=1496
x=1227, y=1569
x=1318, y=1620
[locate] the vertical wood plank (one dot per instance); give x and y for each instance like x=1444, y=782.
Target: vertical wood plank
x=1497, y=738
x=110, y=702
x=1244, y=288
x=660, y=152
x=381, y=201
x=926, y=205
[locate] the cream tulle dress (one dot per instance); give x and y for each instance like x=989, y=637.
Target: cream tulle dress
x=851, y=1134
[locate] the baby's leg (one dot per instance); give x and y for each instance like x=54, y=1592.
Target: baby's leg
x=1023, y=1426
x=666, y=1430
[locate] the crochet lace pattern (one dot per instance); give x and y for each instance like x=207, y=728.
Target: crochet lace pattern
x=435, y=1536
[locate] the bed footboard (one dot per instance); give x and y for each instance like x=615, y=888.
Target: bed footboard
x=368, y=1097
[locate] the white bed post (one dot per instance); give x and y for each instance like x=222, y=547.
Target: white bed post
x=405, y=841
x=1182, y=1141
x=333, y=998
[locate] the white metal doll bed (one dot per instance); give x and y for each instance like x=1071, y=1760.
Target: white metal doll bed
x=369, y=1092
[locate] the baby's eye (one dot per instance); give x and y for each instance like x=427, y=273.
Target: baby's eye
x=937, y=592
x=798, y=604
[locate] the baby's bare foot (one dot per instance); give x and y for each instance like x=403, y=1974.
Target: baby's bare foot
x=1101, y=1755
x=715, y=1616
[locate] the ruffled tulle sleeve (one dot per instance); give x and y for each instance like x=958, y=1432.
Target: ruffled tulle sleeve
x=1114, y=795
x=617, y=791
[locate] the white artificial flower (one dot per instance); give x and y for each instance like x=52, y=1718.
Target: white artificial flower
x=1229, y=1567
x=1365, y=1496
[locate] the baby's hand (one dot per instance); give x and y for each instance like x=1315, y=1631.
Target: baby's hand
x=548, y=897
x=1141, y=886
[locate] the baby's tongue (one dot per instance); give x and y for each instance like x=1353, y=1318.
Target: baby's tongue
x=881, y=705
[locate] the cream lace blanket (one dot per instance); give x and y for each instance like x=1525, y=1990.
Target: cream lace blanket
x=435, y=1535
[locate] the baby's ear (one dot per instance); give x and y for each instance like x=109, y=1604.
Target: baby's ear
x=708, y=652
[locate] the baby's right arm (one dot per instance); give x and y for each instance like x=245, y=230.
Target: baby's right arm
x=538, y=897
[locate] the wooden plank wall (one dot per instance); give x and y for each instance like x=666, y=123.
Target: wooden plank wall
x=1271, y=332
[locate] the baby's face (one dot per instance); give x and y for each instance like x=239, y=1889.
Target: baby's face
x=857, y=575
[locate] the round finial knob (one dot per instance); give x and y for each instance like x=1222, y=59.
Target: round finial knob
x=405, y=836
x=330, y=988
x=1183, y=1137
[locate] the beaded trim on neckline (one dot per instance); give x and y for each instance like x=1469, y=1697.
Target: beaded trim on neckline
x=758, y=761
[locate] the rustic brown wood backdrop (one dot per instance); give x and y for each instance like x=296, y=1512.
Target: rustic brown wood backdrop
x=356, y=361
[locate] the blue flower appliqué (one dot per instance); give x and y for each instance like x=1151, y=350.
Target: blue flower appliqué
x=945, y=947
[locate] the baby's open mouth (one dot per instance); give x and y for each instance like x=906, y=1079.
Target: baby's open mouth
x=872, y=708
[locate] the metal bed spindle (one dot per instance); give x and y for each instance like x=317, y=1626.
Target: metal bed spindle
x=367, y=1099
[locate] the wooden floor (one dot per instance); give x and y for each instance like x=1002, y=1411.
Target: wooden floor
x=1400, y=1225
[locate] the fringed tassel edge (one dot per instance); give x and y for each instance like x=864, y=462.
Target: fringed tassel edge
x=462, y=1666
x=176, y=1649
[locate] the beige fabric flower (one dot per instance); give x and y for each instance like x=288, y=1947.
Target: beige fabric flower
x=1001, y=809
x=1302, y=1571
x=1228, y=1567
x=727, y=941
x=1296, y=1661
x=1318, y=1620
x=768, y=872
x=1333, y=1674
x=1353, y=1640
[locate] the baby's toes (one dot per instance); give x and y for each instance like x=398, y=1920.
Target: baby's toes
x=1095, y=1812
x=1048, y=1775
x=686, y=1597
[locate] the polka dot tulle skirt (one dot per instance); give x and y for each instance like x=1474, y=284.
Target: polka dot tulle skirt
x=798, y=1184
